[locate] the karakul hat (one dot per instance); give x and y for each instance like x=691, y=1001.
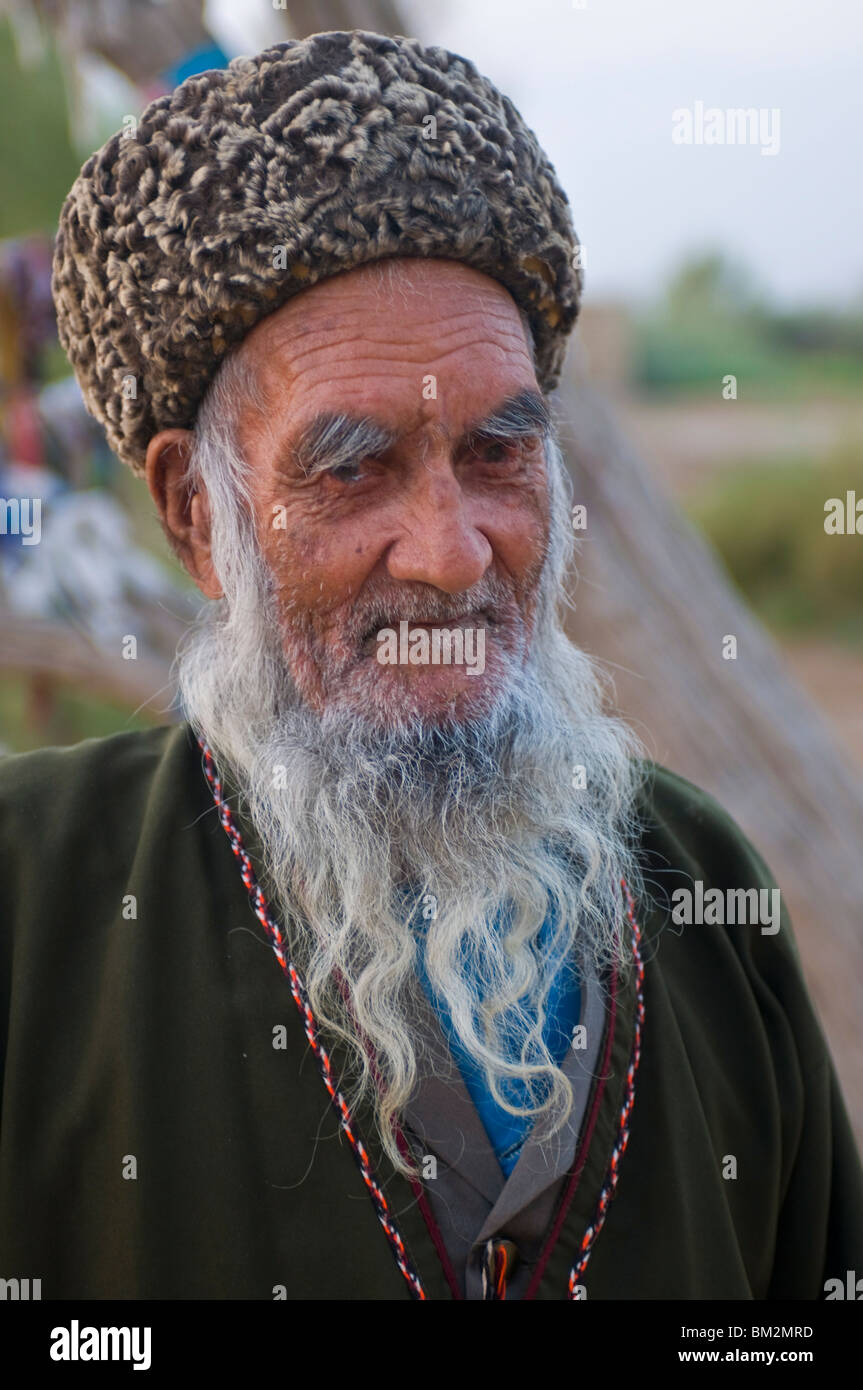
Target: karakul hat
x=246, y=185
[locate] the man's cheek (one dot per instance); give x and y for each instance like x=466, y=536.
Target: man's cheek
x=316, y=582
x=521, y=544
x=294, y=556
x=533, y=533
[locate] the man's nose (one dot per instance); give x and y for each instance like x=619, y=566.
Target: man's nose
x=439, y=541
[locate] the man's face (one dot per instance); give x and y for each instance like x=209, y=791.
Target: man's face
x=428, y=517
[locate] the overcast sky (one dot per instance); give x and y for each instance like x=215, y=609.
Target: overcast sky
x=599, y=84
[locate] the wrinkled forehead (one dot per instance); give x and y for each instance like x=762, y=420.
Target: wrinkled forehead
x=423, y=343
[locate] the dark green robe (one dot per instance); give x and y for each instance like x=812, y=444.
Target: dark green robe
x=155, y=1144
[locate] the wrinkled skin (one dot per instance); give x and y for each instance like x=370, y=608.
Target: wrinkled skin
x=437, y=527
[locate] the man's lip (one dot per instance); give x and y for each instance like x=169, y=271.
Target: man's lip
x=478, y=617
x=443, y=622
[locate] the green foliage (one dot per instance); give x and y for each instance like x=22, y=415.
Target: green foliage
x=710, y=287
x=68, y=716
x=713, y=322
x=672, y=361
x=37, y=162
x=767, y=523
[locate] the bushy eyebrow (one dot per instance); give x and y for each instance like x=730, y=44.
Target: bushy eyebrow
x=518, y=417
x=334, y=439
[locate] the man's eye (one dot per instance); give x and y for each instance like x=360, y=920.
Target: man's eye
x=503, y=451
x=346, y=473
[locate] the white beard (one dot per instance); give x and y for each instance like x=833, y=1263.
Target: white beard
x=482, y=816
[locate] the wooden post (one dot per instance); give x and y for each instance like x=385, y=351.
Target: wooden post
x=654, y=604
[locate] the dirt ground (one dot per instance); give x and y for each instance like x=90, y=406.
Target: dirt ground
x=688, y=444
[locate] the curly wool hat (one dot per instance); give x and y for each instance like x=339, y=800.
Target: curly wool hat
x=246, y=185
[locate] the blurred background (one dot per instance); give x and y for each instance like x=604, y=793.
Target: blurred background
x=710, y=411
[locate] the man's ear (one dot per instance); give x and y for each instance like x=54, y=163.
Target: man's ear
x=185, y=517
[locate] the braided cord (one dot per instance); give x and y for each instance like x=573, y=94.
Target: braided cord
x=298, y=990
x=592, y=1233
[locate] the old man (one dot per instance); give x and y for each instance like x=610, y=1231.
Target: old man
x=363, y=981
